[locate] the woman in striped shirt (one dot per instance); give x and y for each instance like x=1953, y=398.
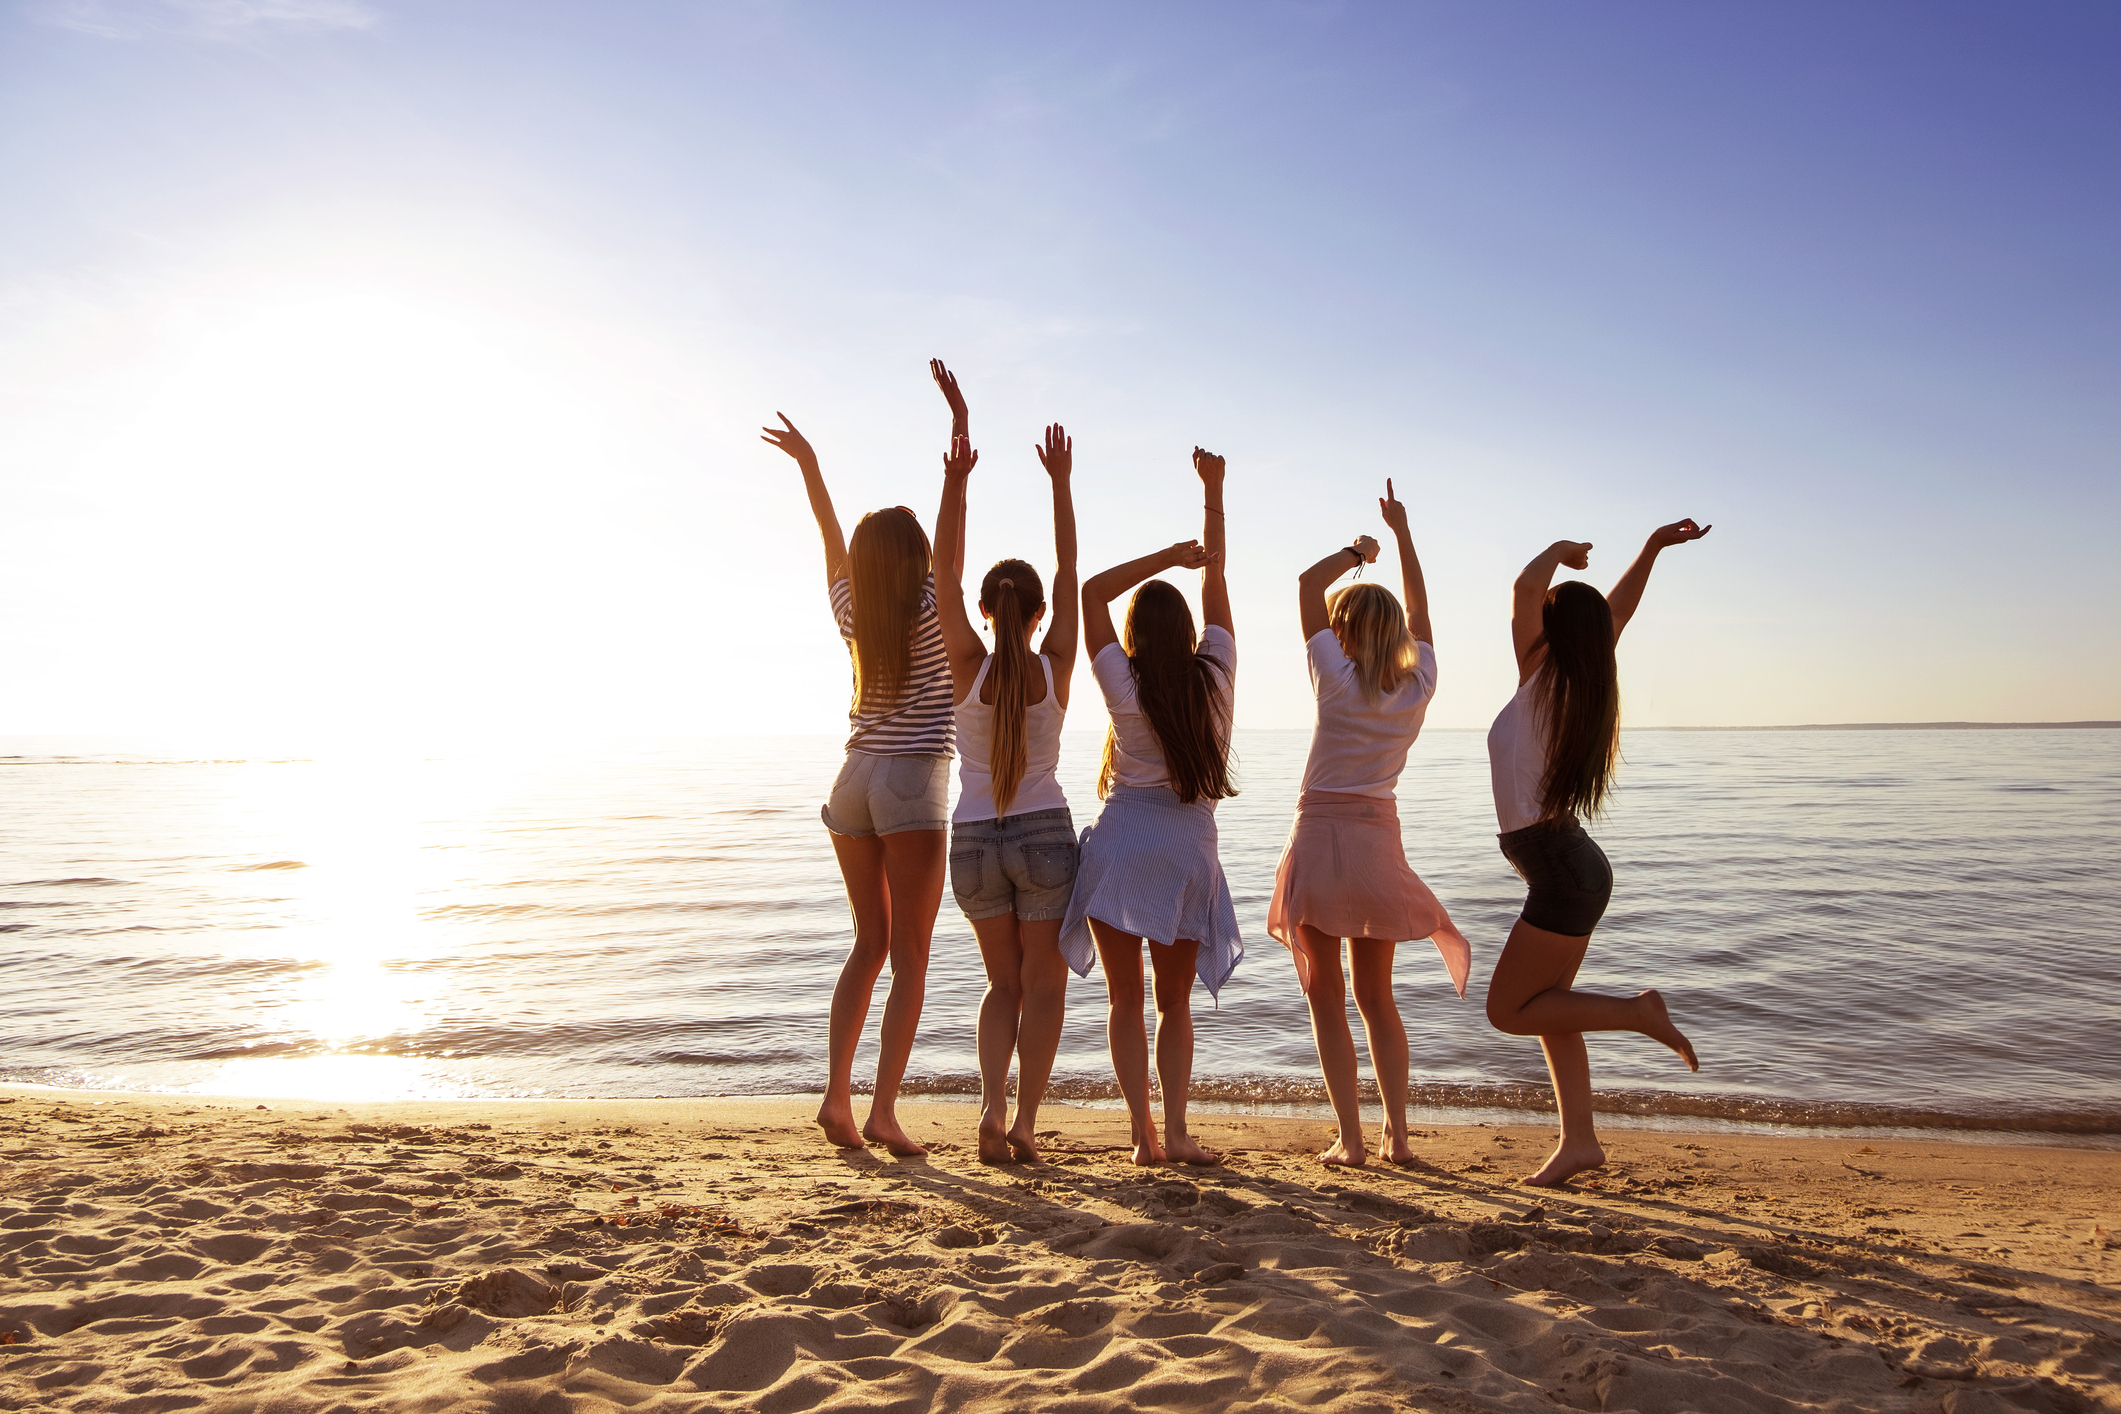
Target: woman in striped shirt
x=888, y=810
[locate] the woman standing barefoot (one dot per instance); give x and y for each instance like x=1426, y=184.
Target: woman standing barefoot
x=1149, y=868
x=1012, y=840
x=887, y=812
x=1552, y=754
x=1344, y=873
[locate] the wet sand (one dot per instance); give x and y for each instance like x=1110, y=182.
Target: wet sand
x=165, y=1253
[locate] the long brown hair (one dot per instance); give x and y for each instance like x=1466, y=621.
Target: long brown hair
x=887, y=559
x=1010, y=594
x=1372, y=629
x=1579, y=698
x=1176, y=686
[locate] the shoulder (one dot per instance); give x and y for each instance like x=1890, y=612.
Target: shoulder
x=1218, y=643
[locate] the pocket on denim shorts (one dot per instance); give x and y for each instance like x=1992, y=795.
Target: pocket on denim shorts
x=1587, y=867
x=1050, y=866
x=967, y=870
x=913, y=777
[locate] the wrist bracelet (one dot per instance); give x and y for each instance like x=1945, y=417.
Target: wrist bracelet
x=1359, y=560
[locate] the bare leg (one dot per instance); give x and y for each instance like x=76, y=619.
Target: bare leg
x=1370, y=959
x=1532, y=994
x=1121, y=956
x=1317, y=959
x=869, y=898
x=1174, y=964
x=914, y=862
x=1038, y=1033
x=1002, y=956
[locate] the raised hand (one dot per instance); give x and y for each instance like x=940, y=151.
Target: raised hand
x=1391, y=508
x=1364, y=546
x=1058, y=455
x=1209, y=465
x=1679, y=532
x=960, y=459
x=1576, y=554
x=790, y=441
x=960, y=418
x=1189, y=555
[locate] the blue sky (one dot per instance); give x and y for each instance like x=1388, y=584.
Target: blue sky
x=376, y=368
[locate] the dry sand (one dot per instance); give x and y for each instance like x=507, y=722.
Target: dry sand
x=164, y=1254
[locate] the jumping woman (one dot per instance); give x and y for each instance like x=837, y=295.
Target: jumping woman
x=1552, y=753
x=888, y=808
x=1344, y=873
x=1149, y=869
x=1012, y=840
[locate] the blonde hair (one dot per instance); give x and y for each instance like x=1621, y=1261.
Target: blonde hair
x=887, y=562
x=1372, y=629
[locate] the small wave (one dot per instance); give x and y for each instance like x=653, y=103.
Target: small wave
x=1539, y=1099
x=55, y=883
x=276, y=864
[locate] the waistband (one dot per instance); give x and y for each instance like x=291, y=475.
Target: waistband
x=1029, y=820
x=1161, y=797
x=1555, y=827
x=1347, y=805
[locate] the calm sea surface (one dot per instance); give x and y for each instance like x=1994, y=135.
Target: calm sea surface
x=1882, y=927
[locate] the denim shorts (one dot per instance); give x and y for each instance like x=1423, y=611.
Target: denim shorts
x=1570, y=880
x=1023, y=865
x=882, y=795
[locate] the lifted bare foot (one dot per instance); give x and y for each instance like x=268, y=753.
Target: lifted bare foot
x=1565, y=1163
x=1148, y=1153
x=1345, y=1155
x=1024, y=1143
x=995, y=1145
x=838, y=1124
x=1185, y=1149
x=1658, y=1027
x=884, y=1130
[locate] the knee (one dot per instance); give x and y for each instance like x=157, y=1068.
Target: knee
x=1374, y=997
x=1009, y=995
x=1505, y=1018
x=1174, y=1001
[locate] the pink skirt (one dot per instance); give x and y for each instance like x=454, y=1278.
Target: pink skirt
x=1344, y=872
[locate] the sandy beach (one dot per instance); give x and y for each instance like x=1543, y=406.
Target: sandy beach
x=164, y=1253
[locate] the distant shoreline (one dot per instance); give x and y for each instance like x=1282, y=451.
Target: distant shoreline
x=1904, y=727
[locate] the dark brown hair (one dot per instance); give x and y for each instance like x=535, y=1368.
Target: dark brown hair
x=1176, y=686
x=1010, y=594
x=887, y=559
x=1579, y=698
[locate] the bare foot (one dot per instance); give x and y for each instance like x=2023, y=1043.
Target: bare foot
x=1148, y=1153
x=884, y=1130
x=1185, y=1149
x=1659, y=1027
x=995, y=1146
x=1397, y=1150
x=1024, y=1143
x=838, y=1123
x=1345, y=1155
x=1565, y=1163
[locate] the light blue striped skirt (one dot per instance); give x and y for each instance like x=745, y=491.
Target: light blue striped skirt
x=1149, y=868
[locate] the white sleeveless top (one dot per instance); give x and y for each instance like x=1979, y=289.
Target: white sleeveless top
x=1039, y=790
x=1517, y=760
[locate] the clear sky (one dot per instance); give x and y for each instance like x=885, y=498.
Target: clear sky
x=380, y=368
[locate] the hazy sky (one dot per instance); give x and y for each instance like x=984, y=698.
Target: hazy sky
x=395, y=369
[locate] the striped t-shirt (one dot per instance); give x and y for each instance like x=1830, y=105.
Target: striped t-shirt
x=920, y=720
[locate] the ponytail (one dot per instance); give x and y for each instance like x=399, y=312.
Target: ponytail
x=1010, y=595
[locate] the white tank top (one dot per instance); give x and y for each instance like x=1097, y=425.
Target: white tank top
x=1039, y=789
x=1517, y=760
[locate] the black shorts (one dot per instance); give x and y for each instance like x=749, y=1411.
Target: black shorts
x=1570, y=880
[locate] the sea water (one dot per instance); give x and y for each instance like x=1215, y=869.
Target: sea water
x=1855, y=927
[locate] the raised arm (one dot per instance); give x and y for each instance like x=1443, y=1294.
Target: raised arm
x=1214, y=588
x=1411, y=583
x=1062, y=630
x=828, y=522
x=960, y=427
x=960, y=640
x=1528, y=599
x=1626, y=597
x=1101, y=589
x=1312, y=584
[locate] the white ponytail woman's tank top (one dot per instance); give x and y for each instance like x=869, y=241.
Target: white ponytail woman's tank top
x=1039, y=789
